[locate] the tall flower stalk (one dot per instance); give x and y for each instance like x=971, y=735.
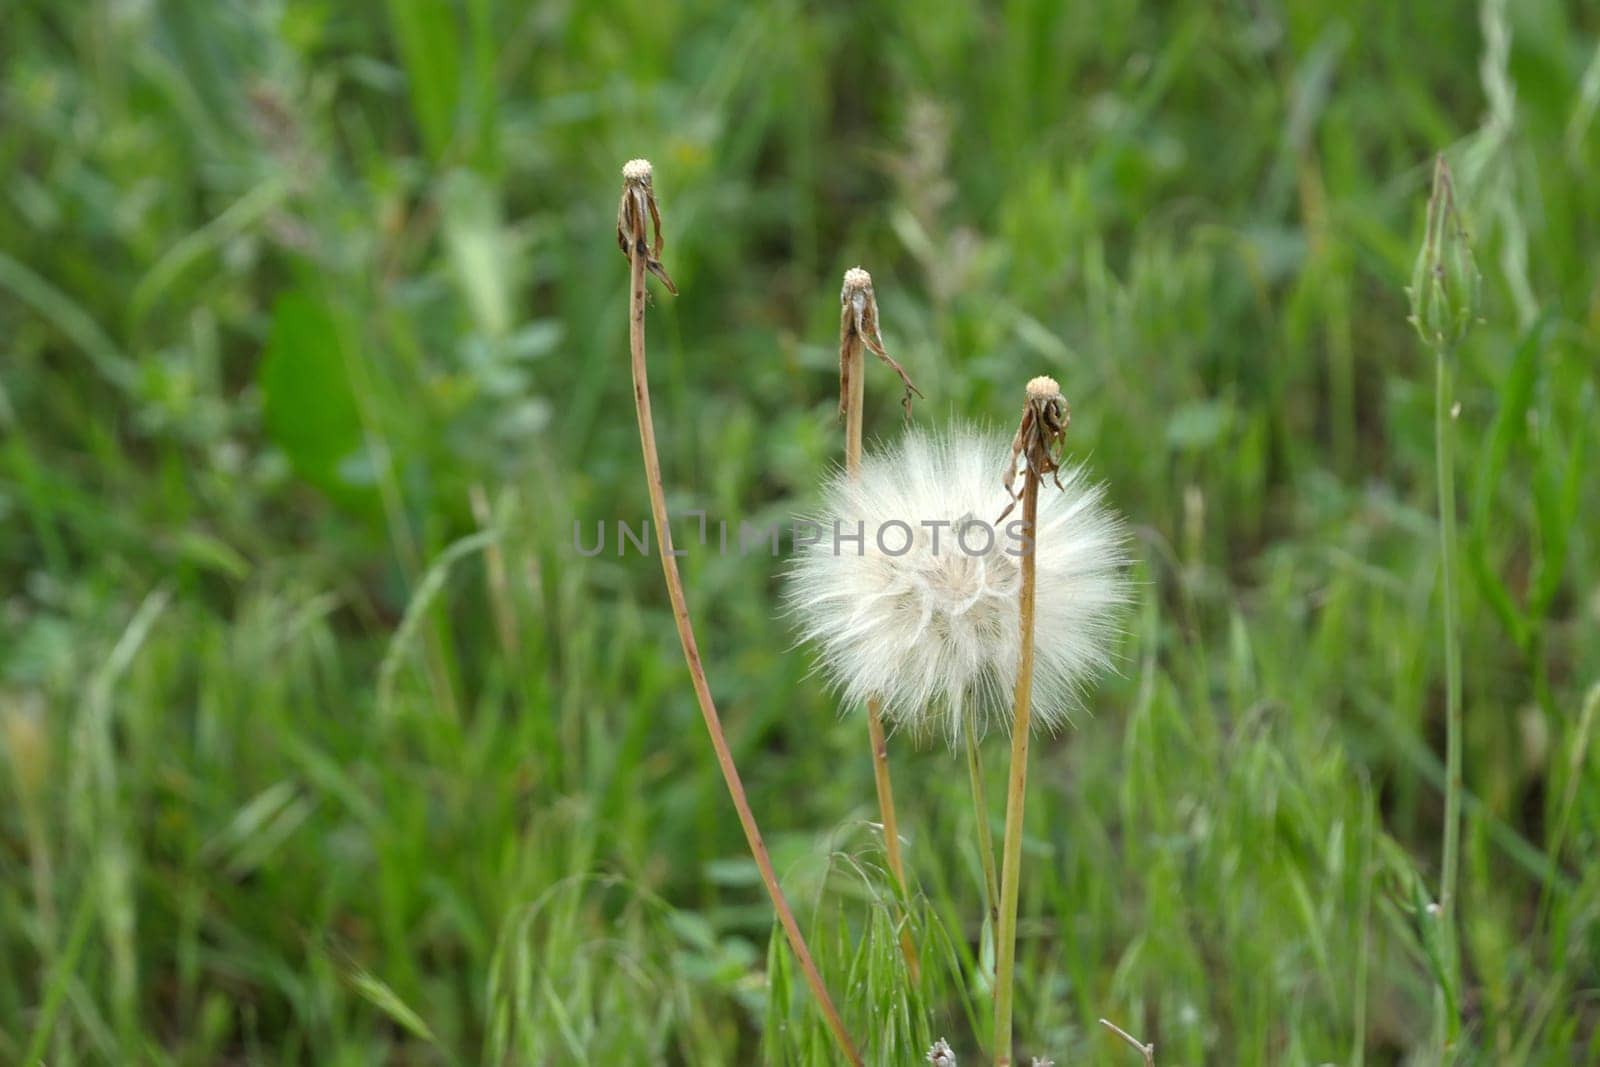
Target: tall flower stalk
x=1044, y=422
x=858, y=331
x=1444, y=302
x=639, y=235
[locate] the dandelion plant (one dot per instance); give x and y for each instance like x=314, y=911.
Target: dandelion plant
x=1037, y=444
x=858, y=331
x=639, y=235
x=915, y=598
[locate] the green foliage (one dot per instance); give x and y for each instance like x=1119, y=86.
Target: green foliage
x=321, y=744
x=308, y=408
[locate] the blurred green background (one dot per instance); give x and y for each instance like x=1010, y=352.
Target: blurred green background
x=324, y=746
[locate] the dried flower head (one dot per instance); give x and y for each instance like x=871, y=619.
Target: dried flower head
x=922, y=609
x=858, y=325
x=940, y=1054
x=1045, y=418
x=638, y=203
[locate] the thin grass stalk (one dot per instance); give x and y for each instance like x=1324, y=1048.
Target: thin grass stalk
x=1017, y=786
x=1444, y=295
x=980, y=810
x=500, y=602
x=852, y=363
x=641, y=257
x=1444, y=447
x=1369, y=825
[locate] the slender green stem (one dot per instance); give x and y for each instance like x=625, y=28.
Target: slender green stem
x=1017, y=787
x=1444, y=447
x=1369, y=829
x=980, y=807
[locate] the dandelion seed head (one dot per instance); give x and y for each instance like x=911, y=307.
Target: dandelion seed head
x=923, y=612
x=637, y=170
x=940, y=1054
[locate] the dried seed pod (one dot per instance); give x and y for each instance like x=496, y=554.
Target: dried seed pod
x=638, y=203
x=1045, y=418
x=858, y=325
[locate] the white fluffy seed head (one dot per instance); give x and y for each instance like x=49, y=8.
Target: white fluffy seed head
x=856, y=278
x=934, y=631
x=1043, y=387
x=637, y=170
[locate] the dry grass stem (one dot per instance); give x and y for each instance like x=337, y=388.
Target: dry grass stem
x=1148, y=1050
x=638, y=204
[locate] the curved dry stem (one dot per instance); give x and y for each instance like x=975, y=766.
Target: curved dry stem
x=641, y=258
x=1147, y=1049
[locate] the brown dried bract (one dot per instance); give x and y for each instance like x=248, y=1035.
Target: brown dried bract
x=638, y=202
x=858, y=324
x=1045, y=418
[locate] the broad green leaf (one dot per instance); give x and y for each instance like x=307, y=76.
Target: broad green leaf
x=310, y=409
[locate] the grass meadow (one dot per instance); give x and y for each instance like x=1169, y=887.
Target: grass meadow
x=321, y=744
